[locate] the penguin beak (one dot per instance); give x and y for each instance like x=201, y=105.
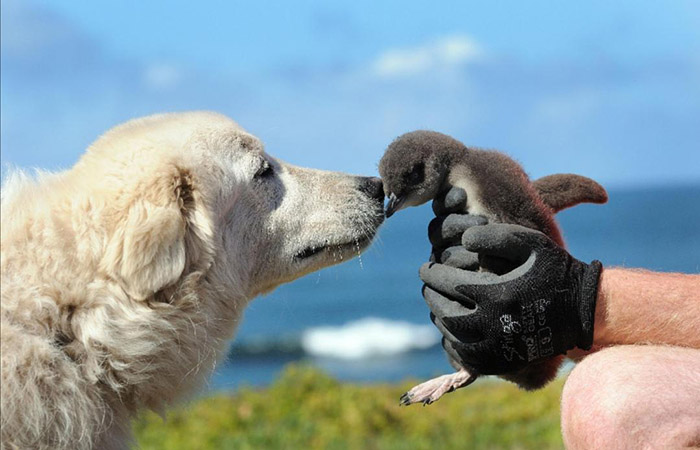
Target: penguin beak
x=394, y=204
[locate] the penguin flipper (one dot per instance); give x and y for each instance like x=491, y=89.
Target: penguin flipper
x=563, y=190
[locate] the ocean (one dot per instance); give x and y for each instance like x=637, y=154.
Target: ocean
x=365, y=320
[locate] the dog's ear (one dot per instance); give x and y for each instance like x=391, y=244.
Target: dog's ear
x=151, y=243
x=564, y=190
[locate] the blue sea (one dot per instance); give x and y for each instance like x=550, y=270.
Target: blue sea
x=365, y=320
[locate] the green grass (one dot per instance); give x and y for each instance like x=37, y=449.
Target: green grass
x=307, y=409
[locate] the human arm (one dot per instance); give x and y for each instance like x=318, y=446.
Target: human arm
x=642, y=307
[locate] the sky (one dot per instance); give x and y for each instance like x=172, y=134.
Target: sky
x=610, y=90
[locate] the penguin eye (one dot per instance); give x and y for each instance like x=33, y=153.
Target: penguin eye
x=416, y=175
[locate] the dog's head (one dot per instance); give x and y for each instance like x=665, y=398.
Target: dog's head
x=195, y=192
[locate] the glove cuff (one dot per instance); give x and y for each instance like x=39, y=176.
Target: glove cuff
x=587, y=303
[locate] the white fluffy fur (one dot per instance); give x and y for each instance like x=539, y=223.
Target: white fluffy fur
x=123, y=278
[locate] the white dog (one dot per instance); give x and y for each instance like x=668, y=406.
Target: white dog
x=123, y=278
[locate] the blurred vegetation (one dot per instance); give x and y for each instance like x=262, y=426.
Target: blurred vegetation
x=307, y=409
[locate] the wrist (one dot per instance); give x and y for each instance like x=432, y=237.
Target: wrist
x=590, y=288
x=600, y=331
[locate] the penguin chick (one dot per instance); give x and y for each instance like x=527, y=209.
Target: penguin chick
x=415, y=166
x=419, y=165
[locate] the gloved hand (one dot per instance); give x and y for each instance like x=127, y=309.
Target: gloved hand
x=446, y=229
x=496, y=324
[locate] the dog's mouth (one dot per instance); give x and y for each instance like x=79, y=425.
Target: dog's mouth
x=357, y=245
x=310, y=251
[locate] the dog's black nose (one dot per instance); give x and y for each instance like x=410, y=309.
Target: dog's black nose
x=372, y=187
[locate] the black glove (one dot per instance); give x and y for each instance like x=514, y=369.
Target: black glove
x=445, y=231
x=496, y=324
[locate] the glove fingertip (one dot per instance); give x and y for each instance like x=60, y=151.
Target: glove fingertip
x=424, y=270
x=456, y=199
x=450, y=201
x=473, y=236
x=479, y=219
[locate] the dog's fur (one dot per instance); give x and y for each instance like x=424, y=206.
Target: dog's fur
x=123, y=278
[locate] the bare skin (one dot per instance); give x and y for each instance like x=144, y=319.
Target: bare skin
x=638, y=306
x=642, y=388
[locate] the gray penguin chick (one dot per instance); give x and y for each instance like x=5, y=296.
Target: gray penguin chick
x=419, y=165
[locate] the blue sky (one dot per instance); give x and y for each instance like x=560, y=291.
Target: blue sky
x=606, y=89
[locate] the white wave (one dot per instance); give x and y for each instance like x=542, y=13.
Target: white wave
x=368, y=337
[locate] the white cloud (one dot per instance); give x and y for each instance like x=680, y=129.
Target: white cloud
x=444, y=53
x=570, y=109
x=162, y=76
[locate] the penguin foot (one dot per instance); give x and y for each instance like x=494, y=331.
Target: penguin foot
x=431, y=391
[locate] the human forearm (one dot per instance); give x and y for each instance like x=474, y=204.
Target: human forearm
x=639, y=307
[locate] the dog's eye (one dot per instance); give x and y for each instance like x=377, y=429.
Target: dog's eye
x=264, y=171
